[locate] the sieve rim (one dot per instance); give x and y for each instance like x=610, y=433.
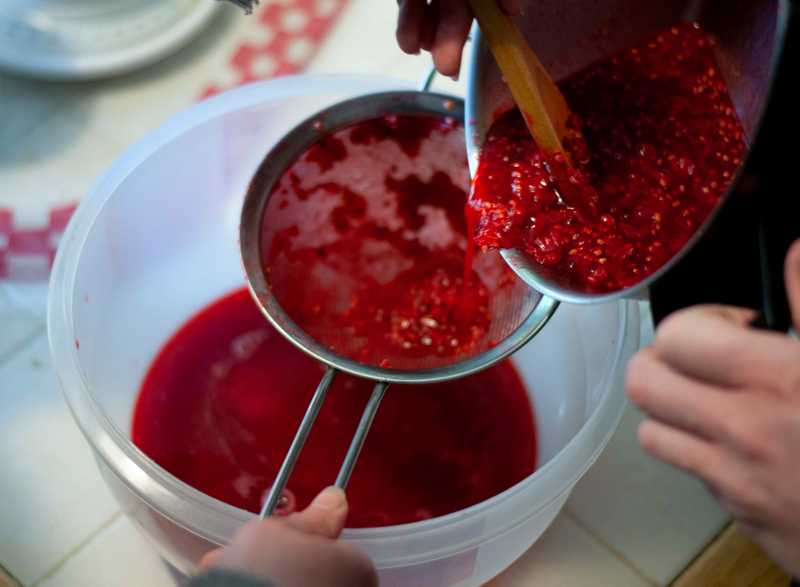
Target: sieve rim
x=278, y=159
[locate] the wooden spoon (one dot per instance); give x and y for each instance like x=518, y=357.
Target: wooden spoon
x=543, y=106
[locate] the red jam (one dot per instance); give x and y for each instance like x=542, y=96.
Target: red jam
x=660, y=144
x=364, y=244
x=223, y=399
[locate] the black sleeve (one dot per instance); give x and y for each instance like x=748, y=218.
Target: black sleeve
x=223, y=578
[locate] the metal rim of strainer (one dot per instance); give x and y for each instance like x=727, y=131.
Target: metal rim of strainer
x=277, y=160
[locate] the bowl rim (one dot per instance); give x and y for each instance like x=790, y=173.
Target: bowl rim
x=188, y=507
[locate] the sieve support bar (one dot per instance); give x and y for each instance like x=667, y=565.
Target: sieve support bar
x=427, y=79
x=297, y=444
x=361, y=434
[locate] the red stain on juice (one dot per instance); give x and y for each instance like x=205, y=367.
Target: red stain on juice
x=396, y=128
x=223, y=398
x=353, y=207
x=413, y=194
x=660, y=144
x=327, y=152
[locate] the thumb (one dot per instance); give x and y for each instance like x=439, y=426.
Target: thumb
x=325, y=516
x=792, y=279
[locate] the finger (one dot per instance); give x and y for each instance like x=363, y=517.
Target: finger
x=209, y=559
x=451, y=34
x=343, y=566
x=681, y=449
x=430, y=21
x=325, y=516
x=757, y=426
x=751, y=425
x=792, y=279
x=778, y=541
x=743, y=494
x=287, y=502
x=743, y=513
x=409, y=25
x=731, y=478
x=676, y=399
x=715, y=344
x=512, y=7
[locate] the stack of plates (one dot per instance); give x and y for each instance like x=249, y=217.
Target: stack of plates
x=69, y=39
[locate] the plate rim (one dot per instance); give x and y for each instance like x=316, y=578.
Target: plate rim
x=88, y=66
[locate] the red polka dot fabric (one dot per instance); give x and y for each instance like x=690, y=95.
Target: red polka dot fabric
x=286, y=35
x=27, y=252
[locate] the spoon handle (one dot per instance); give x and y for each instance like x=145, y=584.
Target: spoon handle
x=534, y=91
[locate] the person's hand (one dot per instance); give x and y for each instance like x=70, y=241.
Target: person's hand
x=440, y=27
x=300, y=549
x=723, y=401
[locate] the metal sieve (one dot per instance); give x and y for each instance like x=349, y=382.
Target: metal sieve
x=520, y=315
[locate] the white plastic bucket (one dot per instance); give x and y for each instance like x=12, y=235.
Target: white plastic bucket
x=156, y=240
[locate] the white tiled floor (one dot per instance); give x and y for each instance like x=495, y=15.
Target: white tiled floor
x=630, y=521
x=650, y=514
x=118, y=555
x=567, y=556
x=53, y=498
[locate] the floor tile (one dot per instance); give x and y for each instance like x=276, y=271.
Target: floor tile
x=117, y=556
x=53, y=497
x=650, y=513
x=567, y=556
x=645, y=324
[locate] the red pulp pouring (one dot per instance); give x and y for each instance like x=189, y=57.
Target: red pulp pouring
x=660, y=143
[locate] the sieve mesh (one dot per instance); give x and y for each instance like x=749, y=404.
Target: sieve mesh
x=297, y=250
x=319, y=231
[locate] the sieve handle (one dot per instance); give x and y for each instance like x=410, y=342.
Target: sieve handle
x=361, y=434
x=427, y=79
x=300, y=437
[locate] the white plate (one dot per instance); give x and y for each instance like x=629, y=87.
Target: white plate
x=83, y=39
